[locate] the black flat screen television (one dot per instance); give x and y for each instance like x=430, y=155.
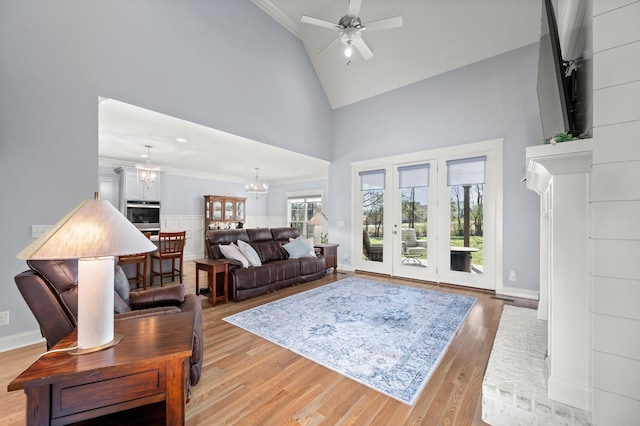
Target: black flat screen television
x=555, y=89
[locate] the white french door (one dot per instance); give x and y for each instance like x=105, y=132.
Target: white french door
x=433, y=216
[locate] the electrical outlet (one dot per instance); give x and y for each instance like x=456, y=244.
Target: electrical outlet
x=512, y=275
x=4, y=318
x=345, y=259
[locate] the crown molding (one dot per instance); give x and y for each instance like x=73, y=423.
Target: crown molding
x=271, y=10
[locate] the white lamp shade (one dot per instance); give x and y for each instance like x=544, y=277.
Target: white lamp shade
x=93, y=229
x=319, y=219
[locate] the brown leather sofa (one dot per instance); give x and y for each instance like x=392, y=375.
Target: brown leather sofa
x=277, y=270
x=50, y=288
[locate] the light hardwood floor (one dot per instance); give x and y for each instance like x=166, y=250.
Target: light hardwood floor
x=249, y=381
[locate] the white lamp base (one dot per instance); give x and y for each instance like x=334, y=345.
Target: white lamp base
x=95, y=304
x=117, y=338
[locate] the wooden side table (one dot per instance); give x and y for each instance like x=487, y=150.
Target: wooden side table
x=147, y=371
x=330, y=253
x=212, y=267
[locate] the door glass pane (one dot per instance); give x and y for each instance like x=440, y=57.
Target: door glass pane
x=414, y=226
x=414, y=190
x=467, y=228
x=372, y=224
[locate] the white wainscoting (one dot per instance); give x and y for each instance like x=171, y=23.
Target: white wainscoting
x=194, y=225
x=266, y=222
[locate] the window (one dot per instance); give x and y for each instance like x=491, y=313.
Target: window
x=301, y=210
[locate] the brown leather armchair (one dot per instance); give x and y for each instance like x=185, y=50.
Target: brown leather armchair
x=50, y=288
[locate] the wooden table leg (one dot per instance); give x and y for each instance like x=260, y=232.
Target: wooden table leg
x=175, y=391
x=197, y=279
x=225, y=284
x=211, y=282
x=38, y=405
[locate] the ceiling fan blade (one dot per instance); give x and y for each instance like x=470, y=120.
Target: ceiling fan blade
x=384, y=24
x=354, y=8
x=318, y=22
x=329, y=46
x=363, y=49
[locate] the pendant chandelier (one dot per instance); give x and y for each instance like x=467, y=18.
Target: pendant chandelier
x=257, y=189
x=147, y=173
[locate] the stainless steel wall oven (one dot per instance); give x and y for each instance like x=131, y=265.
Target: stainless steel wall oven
x=145, y=215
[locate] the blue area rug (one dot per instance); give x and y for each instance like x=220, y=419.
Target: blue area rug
x=386, y=336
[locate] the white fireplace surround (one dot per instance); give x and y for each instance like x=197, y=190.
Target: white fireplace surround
x=560, y=175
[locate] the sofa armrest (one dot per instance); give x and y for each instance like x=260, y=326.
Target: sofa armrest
x=149, y=312
x=163, y=296
x=193, y=303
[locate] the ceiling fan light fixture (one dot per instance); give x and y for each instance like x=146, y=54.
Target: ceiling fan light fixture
x=348, y=51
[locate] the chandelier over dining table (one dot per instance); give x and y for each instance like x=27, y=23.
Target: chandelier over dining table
x=147, y=173
x=257, y=189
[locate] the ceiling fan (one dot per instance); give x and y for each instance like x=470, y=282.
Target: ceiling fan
x=350, y=28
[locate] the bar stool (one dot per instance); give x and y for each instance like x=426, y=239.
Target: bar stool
x=170, y=246
x=140, y=260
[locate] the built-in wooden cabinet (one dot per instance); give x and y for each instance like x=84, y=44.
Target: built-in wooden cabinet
x=221, y=211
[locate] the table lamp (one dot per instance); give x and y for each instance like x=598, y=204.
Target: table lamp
x=94, y=232
x=318, y=220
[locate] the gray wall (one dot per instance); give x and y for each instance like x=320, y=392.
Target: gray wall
x=184, y=195
x=186, y=59
x=495, y=98
x=277, y=199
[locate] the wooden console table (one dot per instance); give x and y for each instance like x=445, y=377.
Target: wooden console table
x=212, y=267
x=146, y=371
x=330, y=253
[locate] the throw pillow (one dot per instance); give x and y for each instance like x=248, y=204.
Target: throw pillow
x=310, y=242
x=297, y=248
x=231, y=251
x=250, y=253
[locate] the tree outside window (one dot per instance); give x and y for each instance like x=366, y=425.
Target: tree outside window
x=301, y=210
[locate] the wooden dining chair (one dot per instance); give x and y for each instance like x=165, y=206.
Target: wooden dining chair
x=170, y=246
x=140, y=260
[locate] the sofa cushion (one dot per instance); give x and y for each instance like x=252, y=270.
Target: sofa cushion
x=269, y=251
x=297, y=248
x=250, y=253
x=312, y=265
x=219, y=236
x=259, y=234
x=283, y=234
x=231, y=251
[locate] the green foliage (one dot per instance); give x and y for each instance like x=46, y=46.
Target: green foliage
x=561, y=137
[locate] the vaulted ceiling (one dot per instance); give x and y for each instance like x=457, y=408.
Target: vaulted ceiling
x=436, y=36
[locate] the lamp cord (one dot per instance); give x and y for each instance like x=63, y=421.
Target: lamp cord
x=56, y=350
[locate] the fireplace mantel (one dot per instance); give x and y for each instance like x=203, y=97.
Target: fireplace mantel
x=560, y=175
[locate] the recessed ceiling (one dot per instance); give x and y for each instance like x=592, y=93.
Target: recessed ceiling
x=436, y=36
x=124, y=130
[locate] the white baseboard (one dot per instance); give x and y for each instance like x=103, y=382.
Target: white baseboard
x=19, y=340
x=347, y=268
x=518, y=292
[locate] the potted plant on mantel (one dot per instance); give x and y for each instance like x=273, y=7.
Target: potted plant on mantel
x=560, y=137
